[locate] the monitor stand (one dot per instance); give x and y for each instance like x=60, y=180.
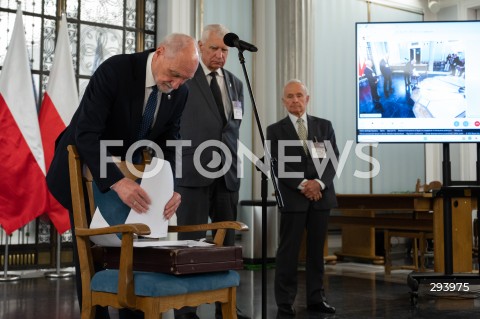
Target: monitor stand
x=438, y=282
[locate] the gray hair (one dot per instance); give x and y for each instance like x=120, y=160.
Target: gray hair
x=176, y=42
x=298, y=82
x=217, y=29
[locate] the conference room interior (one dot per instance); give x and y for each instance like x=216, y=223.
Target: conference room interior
x=295, y=40
x=425, y=95
x=357, y=288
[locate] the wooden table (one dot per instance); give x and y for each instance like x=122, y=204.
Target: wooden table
x=361, y=214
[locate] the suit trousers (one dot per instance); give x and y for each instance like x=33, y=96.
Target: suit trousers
x=200, y=203
x=292, y=227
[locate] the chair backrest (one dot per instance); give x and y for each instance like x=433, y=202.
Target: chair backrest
x=80, y=182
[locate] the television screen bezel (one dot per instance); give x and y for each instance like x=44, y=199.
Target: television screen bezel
x=398, y=139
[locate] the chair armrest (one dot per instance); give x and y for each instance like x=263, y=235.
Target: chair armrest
x=139, y=229
x=211, y=226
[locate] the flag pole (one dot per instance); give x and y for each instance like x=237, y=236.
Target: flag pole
x=6, y=276
x=58, y=273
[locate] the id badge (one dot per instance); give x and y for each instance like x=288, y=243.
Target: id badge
x=318, y=150
x=237, y=110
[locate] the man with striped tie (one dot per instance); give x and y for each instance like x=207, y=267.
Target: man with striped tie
x=301, y=143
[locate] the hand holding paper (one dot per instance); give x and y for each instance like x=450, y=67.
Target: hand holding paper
x=157, y=181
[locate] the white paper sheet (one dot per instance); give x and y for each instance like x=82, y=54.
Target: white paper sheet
x=159, y=187
x=112, y=240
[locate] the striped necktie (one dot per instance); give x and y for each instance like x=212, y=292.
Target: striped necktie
x=302, y=134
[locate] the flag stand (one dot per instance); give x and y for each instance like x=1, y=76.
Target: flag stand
x=6, y=276
x=57, y=273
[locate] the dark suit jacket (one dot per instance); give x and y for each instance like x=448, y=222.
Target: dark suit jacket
x=322, y=130
x=111, y=109
x=201, y=122
x=371, y=76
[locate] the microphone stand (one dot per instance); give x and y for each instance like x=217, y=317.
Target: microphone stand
x=264, y=187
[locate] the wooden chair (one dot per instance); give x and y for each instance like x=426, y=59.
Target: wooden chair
x=152, y=293
x=419, y=240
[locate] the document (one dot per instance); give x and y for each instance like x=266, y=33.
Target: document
x=157, y=180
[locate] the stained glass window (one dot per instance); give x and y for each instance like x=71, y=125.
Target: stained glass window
x=97, y=29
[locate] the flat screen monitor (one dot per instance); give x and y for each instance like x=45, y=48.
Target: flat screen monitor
x=418, y=82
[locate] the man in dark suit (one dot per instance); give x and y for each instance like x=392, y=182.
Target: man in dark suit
x=387, y=76
x=113, y=108
x=308, y=194
x=372, y=80
x=207, y=179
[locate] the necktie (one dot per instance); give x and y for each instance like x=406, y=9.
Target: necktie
x=148, y=114
x=302, y=134
x=217, y=95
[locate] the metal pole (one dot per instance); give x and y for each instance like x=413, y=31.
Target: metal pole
x=6, y=276
x=57, y=273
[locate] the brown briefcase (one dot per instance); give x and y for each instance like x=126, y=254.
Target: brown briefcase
x=179, y=260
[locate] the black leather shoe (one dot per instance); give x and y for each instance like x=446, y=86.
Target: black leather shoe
x=322, y=307
x=189, y=315
x=286, y=309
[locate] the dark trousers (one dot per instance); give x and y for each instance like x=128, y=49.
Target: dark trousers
x=200, y=203
x=292, y=227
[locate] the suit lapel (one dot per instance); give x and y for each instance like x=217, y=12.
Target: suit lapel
x=315, y=128
x=200, y=80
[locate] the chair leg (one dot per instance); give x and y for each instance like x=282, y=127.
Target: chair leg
x=415, y=253
x=388, y=259
x=422, y=251
x=88, y=312
x=229, y=309
x=148, y=314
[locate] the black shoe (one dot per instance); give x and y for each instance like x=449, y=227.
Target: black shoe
x=286, y=309
x=218, y=313
x=322, y=307
x=189, y=315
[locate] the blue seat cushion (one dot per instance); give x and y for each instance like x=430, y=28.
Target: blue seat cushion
x=151, y=284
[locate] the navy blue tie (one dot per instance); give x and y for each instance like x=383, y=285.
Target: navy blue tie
x=148, y=114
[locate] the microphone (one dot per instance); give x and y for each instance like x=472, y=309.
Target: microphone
x=232, y=40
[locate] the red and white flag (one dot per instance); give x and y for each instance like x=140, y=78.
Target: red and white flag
x=59, y=103
x=23, y=188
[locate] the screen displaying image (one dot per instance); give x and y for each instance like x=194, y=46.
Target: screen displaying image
x=418, y=82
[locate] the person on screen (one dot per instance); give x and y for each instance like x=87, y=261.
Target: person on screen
x=372, y=80
x=407, y=73
x=387, y=76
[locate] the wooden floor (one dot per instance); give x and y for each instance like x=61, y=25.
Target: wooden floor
x=356, y=289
